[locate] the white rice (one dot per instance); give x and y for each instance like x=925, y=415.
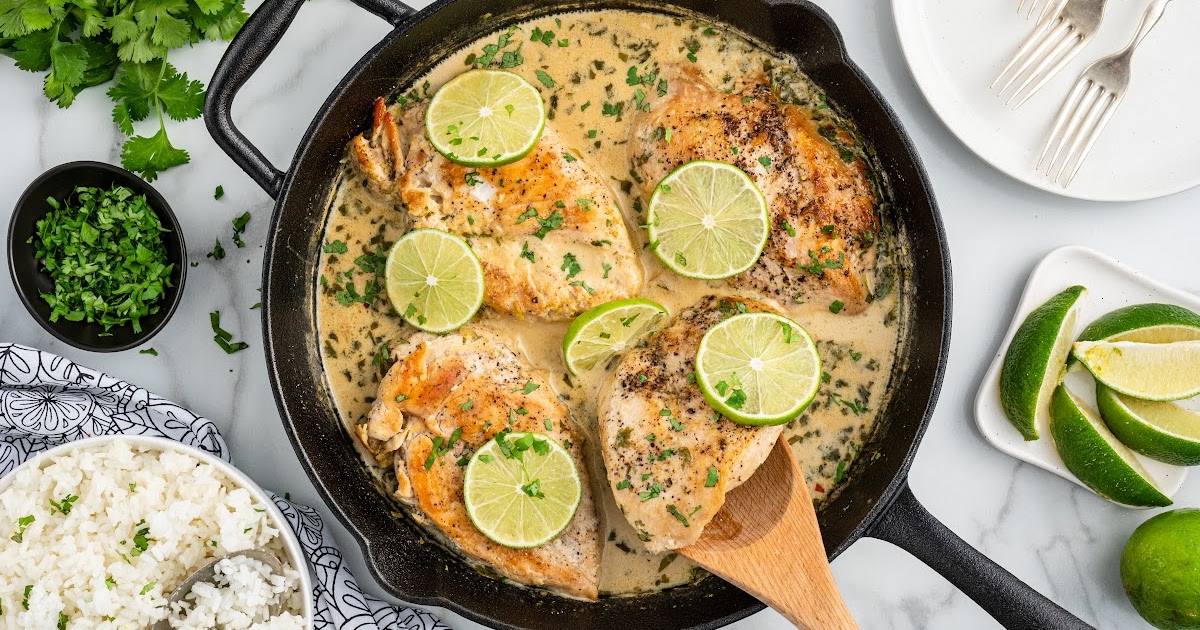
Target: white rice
x=240, y=597
x=90, y=565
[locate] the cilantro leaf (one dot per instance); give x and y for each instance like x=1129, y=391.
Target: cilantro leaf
x=32, y=52
x=156, y=86
x=181, y=99
x=149, y=156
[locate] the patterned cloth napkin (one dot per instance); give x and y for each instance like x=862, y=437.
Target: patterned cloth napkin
x=46, y=400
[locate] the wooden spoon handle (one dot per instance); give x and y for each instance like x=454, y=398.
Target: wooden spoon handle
x=766, y=541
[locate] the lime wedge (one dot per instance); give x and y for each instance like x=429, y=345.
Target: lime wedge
x=1095, y=456
x=607, y=330
x=1159, y=430
x=758, y=368
x=434, y=280
x=708, y=220
x=1034, y=362
x=485, y=118
x=1149, y=371
x=521, y=489
x=1147, y=323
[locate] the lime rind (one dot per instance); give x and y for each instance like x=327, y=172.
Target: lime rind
x=503, y=512
x=708, y=220
x=1094, y=455
x=1146, y=323
x=1147, y=371
x=457, y=290
x=1033, y=364
x=485, y=118
x=585, y=345
x=1159, y=430
x=776, y=392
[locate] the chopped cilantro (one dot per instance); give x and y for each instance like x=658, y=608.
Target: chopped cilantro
x=713, y=477
x=224, y=337
x=104, y=252
x=570, y=265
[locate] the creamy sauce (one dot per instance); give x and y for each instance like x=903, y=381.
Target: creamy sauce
x=587, y=56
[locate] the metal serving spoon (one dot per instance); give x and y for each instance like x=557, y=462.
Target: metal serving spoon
x=765, y=541
x=207, y=572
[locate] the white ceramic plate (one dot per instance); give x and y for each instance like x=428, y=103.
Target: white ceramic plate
x=1110, y=286
x=1151, y=147
x=291, y=544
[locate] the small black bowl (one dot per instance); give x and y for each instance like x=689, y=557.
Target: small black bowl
x=31, y=280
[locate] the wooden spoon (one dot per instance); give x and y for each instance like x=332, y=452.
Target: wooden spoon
x=765, y=541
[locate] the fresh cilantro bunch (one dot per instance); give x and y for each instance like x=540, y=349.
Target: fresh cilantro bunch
x=84, y=43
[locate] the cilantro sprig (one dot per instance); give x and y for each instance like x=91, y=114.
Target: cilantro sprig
x=86, y=43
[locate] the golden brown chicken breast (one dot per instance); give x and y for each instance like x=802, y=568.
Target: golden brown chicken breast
x=445, y=397
x=670, y=457
x=549, y=234
x=823, y=218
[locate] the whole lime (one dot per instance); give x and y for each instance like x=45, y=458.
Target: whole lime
x=1161, y=570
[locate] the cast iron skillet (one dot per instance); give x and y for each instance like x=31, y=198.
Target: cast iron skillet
x=876, y=501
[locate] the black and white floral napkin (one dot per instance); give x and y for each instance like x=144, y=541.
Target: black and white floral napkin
x=47, y=400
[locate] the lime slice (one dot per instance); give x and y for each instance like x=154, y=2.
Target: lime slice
x=1159, y=430
x=1095, y=456
x=758, y=368
x=1160, y=570
x=485, y=118
x=521, y=489
x=1149, y=371
x=708, y=220
x=434, y=280
x=607, y=330
x=1034, y=362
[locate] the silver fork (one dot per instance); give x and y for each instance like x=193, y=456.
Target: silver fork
x=1055, y=41
x=1092, y=103
x=1033, y=7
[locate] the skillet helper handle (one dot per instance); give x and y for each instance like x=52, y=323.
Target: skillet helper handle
x=1013, y=603
x=248, y=50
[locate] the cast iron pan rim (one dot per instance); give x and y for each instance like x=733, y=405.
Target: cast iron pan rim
x=899, y=479
x=165, y=214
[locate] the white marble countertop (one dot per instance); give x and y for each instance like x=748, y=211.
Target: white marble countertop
x=1059, y=538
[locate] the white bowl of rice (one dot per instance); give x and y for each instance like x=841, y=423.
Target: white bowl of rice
x=98, y=533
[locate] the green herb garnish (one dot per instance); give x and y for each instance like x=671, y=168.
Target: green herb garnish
x=104, y=251
x=64, y=505
x=223, y=337
x=239, y=227
x=22, y=523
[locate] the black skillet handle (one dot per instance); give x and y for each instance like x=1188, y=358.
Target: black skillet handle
x=908, y=525
x=245, y=54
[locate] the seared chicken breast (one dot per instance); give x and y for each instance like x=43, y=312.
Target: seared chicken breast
x=824, y=224
x=547, y=229
x=670, y=457
x=444, y=398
